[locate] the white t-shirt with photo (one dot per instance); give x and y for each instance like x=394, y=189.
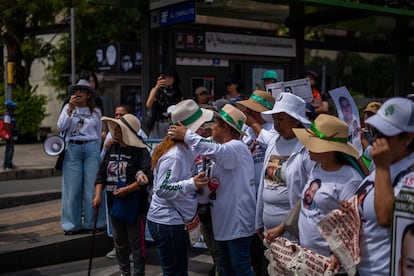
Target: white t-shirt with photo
x=336, y=186
x=272, y=198
x=375, y=240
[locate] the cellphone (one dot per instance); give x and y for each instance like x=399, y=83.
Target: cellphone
x=204, y=164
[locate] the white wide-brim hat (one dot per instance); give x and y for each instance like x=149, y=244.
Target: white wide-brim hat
x=130, y=125
x=233, y=117
x=188, y=113
x=396, y=115
x=291, y=104
x=327, y=133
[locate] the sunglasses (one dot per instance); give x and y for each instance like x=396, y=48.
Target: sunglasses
x=80, y=91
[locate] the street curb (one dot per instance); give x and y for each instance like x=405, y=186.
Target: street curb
x=29, y=173
x=19, y=199
x=57, y=249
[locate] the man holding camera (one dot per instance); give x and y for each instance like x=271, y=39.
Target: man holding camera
x=164, y=94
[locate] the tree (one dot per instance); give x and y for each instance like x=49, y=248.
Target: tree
x=92, y=28
x=22, y=21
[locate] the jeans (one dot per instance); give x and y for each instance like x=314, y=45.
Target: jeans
x=80, y=166
x=8, y=155
x=235, y=257
x=171, y=241
x=129, y=238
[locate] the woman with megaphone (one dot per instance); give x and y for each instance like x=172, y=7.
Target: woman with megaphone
x=80, y=119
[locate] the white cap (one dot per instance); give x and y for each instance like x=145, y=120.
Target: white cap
x=291, y=104
x=396, y=115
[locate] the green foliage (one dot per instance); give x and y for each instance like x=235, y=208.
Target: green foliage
x=94, y=26
x=30, y=110
x=371, y=76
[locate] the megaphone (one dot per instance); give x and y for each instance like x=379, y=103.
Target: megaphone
x=54, y=145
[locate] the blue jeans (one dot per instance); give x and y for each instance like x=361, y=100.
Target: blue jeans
x=8, y=155
x=171, y=241
x=235, y=257
x=80, y=166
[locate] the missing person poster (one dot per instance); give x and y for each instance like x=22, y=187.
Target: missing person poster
x=299, y=87
x=402, y=242
x=348, y=112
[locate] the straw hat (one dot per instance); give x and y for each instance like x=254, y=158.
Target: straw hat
x=233, y=117
x=82, y=84
x=291, y=104
x=130, y=125
x=259, y=101
x=327, y=133
x=190, y=114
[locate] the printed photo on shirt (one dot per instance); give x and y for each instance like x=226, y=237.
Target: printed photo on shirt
x=274, y=172
x=308, y=202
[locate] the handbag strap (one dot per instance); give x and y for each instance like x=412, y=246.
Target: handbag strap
x=118, y=159
x=63, y=134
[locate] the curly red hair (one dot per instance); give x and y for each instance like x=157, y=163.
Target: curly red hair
x=166, y=144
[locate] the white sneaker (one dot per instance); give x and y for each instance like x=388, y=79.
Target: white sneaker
x=111, y=254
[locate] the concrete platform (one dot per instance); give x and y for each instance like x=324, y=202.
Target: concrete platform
x=30, y=232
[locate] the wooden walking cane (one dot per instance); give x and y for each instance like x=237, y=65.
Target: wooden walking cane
x=93, y=241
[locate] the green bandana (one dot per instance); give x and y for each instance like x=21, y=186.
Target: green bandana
x=229, y=119
x=322, y=136
x=261, y=101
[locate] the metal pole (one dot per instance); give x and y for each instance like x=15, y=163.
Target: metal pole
x=72, y=44
x=5, y=70
x=323, y=85
x=7, y=87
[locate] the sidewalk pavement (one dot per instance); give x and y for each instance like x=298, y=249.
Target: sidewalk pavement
x=30, y=235
x=31, y=162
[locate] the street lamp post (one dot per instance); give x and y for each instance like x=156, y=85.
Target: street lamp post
x=72, y=43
